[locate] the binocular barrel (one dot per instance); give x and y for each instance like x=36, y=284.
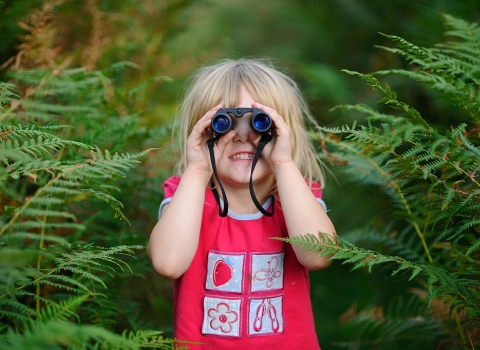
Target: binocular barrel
x=222, y=122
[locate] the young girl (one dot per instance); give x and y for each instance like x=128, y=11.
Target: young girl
x=235, y=287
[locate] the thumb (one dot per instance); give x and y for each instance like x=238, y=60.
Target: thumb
x=224, y=140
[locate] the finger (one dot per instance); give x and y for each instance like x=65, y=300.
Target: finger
x=276, y=118
x=204, y=123
x=225, y=139
x=211, y=113
x=282, y=133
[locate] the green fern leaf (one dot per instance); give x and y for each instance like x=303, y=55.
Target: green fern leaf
x=62, y=311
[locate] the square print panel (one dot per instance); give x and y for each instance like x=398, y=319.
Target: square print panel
x=265, y=316
x=221, y=316
x=225, y=272
x=267, y=272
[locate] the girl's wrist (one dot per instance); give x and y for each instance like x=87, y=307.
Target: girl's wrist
x=197, y=173
x=284, y=166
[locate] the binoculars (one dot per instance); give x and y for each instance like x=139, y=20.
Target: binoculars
x=222, y=122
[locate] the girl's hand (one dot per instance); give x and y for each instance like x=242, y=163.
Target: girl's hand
x=280, y=149
x=198, y=157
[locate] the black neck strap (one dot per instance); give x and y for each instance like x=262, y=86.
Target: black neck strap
x=211, y=144
x=266, y=138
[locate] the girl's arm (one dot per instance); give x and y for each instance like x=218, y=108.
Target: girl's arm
x=174, y=239
x=303, y=214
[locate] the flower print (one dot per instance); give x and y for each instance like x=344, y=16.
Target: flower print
x=222, y=317
x=270, y=273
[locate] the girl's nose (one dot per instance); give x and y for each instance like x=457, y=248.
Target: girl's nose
x=244, y=131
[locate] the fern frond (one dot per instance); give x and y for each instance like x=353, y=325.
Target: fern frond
x=26, y=225
x=473, y=247
x=390, y=99
x=467, y=225
x=15, y=309
x=104, y=165
x=35, y=147
x=16, y=131
x=411, y=52
x=64, y=283
x=440, y=281
x=400, y=244
x=115, y=204
x=35, y=237
x=45, y=178
x=60, y=334
x=46, y=201
x=32, y=212
x=17, y=169
x=62, y=311
x=68, y=283
x=462, y=29
x=8, y=93
x=32, y=106
x=469, y=146
x=409, y=323
x=97, y=255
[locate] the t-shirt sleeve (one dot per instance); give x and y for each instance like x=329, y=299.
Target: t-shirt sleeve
x=317, y=192
x=169, y=188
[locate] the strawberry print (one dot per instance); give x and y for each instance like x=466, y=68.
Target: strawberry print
x=225, y=272
x=222, y=272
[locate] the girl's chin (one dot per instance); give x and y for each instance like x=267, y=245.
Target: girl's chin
x=236, y=180
x=243, y=178
x=239, y=174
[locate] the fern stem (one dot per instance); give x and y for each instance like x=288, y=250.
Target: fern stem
x=399, y=192
x=470, y=338
x=427, y=220
x=39, y=264
x=459, y=326
x=93, y=285
x=60, y=153
x=467, y=174
x=19, y=212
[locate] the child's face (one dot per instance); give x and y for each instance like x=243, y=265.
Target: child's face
x=235, y=165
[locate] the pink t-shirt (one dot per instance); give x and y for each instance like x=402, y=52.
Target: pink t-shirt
x=242, y=289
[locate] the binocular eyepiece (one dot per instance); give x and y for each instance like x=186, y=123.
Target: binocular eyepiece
x=222, y=122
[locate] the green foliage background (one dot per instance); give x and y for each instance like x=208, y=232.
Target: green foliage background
x=87, y=97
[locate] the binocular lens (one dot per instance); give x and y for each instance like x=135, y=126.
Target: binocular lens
x=261, y=123
x=222, y=120
x=221, y=124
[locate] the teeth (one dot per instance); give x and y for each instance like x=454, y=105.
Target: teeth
x=243, y=156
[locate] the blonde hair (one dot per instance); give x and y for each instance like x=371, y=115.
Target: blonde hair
x=222, y=82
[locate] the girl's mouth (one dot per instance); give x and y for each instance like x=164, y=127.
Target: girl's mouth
x=242, y=156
